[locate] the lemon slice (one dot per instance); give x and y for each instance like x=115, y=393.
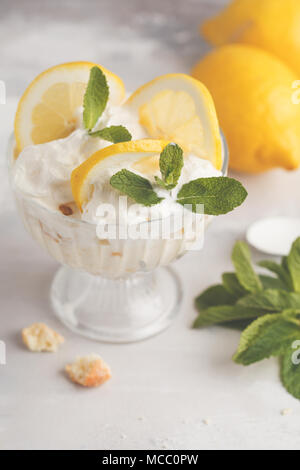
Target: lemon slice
x=47, y=109
x=178, y=108
x=142, y=155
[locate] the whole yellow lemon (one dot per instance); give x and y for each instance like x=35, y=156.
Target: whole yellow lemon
x=273, y=25
x=253, y=95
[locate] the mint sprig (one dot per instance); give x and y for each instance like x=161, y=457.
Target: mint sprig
x=219, y=195
x=136, y=187
x=95, y=98
x=114, y=134
x=170, y=164
x=268, y=306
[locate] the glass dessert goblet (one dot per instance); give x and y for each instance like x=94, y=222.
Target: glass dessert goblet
x=108, y=289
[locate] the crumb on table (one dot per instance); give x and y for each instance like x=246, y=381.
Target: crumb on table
x=89, y=371
x=39, y=338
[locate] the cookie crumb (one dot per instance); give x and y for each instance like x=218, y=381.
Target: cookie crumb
x=65, y=209
x=286, y=411
x=89, y=371
x=207, y=422
x=104, y=242
x=41, y=338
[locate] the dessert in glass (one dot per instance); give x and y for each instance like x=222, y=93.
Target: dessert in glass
x=91, y=171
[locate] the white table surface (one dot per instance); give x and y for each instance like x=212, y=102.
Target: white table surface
x=163, y=388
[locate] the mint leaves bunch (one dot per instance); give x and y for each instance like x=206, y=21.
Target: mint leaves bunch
x=94, y=103
x=268, y=307
x=219, y=195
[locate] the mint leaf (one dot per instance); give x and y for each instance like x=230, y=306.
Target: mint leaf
x=285, y=266
x=272, y=300
x=136, y=187
x=244, y=270
x=95, y=98
x=269, y=282
x=290, y=372
x=170, y=164
x=232, y=285
x=225, y=314
x=213, y=296
x=284, y=263
x=267, y=336
x=239, y=325
x=273, y=267
x=114, y=134
x=218, y=194
x=293, y=262
x=277, y=269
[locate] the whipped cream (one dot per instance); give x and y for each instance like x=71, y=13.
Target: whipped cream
x=43, y=171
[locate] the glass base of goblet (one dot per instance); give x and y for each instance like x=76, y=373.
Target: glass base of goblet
x=116, y=311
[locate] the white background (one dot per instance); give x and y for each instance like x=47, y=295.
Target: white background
x=162, y=389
